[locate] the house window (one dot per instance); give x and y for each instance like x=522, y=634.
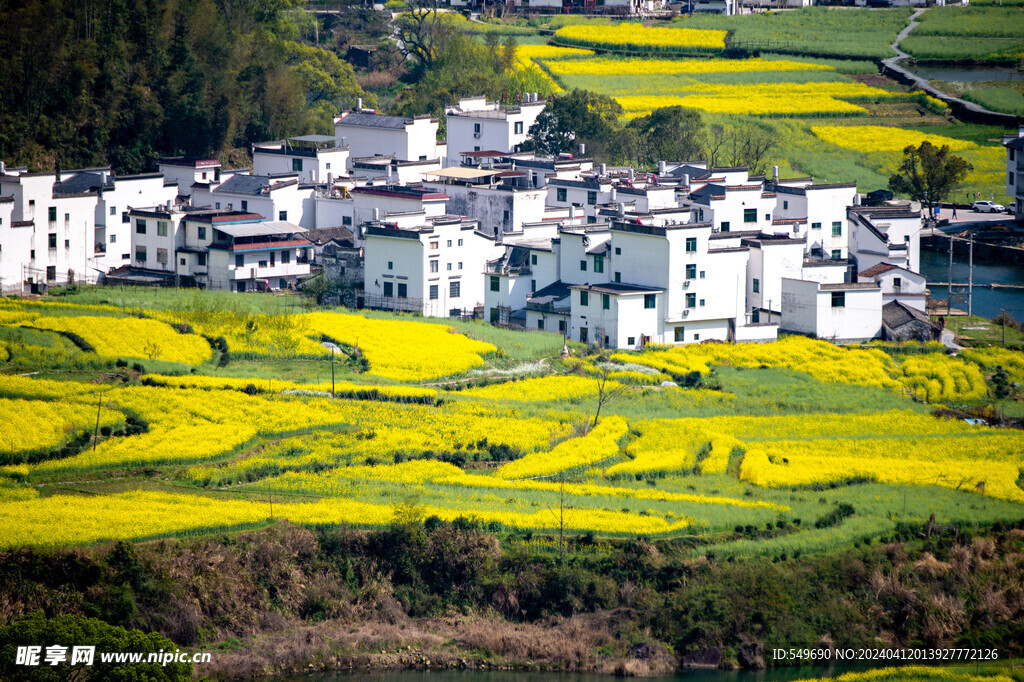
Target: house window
x=183, y=261
x=618, y=251
x=815, y=226
x=592, y=198
x=346, y=220
x=838, y=299
x=449, y=242
x=140, y=254
x=691, y=271
x=533, y=286
x=161, y=256
x=504, y=218
x=750, y=215
x=52, y=211
x=837, y=229
x=691, y=300
x=433, y=292
x=584, y=298
x=460, y=242
x=202, y=232
x=837, y=254
x=32, y=254
x=785, y=205
x=296, y=164
x=67, y=243
x=449, y=267
x=897, y=282
x=51, y=273
x=261, y=264
x=768, y=217
x=240, y=260
x=519, y=131
x=327, y=166
x=691, y=245
x=618, y=277
x=757, y=286
x=650, y=301
x=598, y=263
x=755, y=316
x=389, y=289
x=583, y=265
x=533, y=259
x=454, y=289
x=140, y=226
x=434, y=268
x=476, y=128
x=540, y=323
x=591, y=219
x=606, y=302
x=630, y=340
x=434, y=246
x=725, y=226
x=245, y=205
x=460, y=265
x=583, y=335
x=391, y=265
x=495, y=283
x=282, y=284
x=52, y=243
x=680, y=334
x=286, y=257
x=201, y=259
x=403, y=290
x=696, y=337
x=217, y=205
x=282, y=215
x=113, y=238
x=560, y=194
x=561, y=326
x=495, y=316
x=125, y=218
x=113, y=210
x=161, y=228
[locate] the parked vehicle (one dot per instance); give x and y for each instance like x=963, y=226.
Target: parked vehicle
x=987, y=207
x=878, y=197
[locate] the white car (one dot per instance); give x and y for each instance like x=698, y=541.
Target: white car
x=987, y=207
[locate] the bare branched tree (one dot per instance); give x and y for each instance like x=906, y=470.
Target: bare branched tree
x=605, y=394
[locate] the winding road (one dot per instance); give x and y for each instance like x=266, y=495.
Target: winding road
x=892, y=64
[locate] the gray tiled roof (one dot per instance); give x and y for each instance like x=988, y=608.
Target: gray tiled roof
x=367, y=120
x=81, y=183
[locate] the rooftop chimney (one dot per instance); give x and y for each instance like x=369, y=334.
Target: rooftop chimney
x=583, y=149
x=622, y=210
x=614, y=193
x=359, y=104
x=3, y=168
x=661, y=167
x=572, y=212
x=775, y=172
x=604, y=170
x=631, y=174
x=686, y=179
x=376, y=215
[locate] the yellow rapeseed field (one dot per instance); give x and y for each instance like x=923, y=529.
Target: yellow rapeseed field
x=603, y=66
x=640, y=38
x=872, y=138
x=131, y=337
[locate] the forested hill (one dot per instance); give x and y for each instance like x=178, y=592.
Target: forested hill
x=122, y=82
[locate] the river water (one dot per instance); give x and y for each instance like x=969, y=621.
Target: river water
x=968, y=74
x=987, y=302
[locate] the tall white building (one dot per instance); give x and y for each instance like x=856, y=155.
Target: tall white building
x=313, y=158
x=476, y=125
x=368, y=134
x=1015, y=171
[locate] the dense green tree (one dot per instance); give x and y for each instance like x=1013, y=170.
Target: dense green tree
x=670, y=133
x=124, y=82
x=928, y=173
x=579, y=116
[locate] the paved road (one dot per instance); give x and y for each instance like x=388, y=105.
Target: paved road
x=893, y=63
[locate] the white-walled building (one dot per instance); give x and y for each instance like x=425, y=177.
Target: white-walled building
x=885, y=234
x=368, y=133
x=474, y=125
x=248, y=256
x=59, y=224
x=820, y=210
x=898, y=284
x=433, y=268
x=1015, y=171
x=501, y=200
x=278, y=198
x=771, y=259
x=835, y=312
x=313, y=158
x=734, y=207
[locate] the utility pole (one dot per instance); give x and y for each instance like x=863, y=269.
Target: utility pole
x=1002, y=319
x=970, y=274
x=99, y=406
x=332, y=372
x=949, y=280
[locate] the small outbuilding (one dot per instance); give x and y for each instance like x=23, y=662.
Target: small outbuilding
x=900, y=322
